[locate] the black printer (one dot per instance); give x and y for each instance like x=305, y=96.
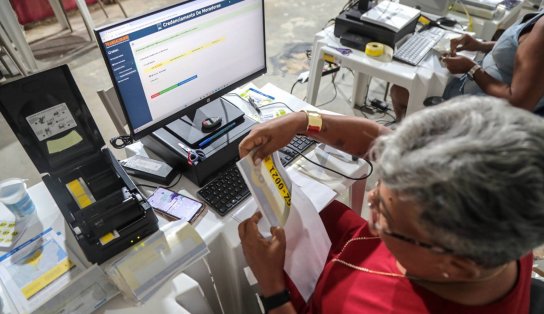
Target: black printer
x=103, y=207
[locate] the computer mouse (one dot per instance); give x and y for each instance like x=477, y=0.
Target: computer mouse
x=209, y=124
x=433, y=101
x=446, y=21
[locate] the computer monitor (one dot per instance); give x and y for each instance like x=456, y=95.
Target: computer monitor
x=436, y=7
x=168, y=63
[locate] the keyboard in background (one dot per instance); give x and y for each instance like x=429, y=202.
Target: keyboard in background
x=417, y=46
x=229, y=189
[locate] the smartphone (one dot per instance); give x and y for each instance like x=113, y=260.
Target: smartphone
x=174, y=206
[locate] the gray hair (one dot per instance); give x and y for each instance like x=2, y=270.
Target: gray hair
x=475, y=167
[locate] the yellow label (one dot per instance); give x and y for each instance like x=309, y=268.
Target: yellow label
x=48, y=277
x=278, y=181
x=78, y=192
x=329, y=58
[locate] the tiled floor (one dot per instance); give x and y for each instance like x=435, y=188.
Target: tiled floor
x=290, y=26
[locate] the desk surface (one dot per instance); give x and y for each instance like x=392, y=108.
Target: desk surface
x=219, y=233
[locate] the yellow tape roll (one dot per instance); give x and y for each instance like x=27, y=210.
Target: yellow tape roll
x=374, y=49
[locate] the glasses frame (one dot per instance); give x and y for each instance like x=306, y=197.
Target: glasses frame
x=377, y=226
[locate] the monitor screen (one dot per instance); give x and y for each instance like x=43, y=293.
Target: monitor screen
x=169, y=62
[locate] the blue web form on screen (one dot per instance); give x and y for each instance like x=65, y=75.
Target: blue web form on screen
x=167, y=61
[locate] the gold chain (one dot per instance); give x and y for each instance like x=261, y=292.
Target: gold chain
x=364, y=269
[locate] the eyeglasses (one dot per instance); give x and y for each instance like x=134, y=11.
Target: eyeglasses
x=374, y=206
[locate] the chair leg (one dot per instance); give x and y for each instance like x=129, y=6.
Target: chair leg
x=103, y=9
x=121, y=6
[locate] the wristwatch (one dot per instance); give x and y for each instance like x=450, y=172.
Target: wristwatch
x=315, y=121
x=276, y=300
x=473, y=70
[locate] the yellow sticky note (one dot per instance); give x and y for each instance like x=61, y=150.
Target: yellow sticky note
x=65, y=142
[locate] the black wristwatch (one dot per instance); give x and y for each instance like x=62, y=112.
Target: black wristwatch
x=276, y=300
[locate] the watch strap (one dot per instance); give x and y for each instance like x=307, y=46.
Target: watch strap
x=315, y=121
x=473, y=70
x=276, y=300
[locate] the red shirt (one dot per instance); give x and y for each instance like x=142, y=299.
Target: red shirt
x=342, y=289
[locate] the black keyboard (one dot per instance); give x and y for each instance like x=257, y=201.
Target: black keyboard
x=228, y=188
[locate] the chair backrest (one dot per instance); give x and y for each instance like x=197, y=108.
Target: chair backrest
x=111, y=102
x=537, y=297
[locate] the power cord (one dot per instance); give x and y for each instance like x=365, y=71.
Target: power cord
x=121, y=141
x=332, y=170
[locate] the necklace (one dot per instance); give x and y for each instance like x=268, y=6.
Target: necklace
x=363, y=269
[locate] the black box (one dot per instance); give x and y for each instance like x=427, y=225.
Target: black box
x=348, y=23
x=220, y=153
x=98, y=200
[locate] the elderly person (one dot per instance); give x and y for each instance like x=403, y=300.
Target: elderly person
x=454, y=216
x=512, y=68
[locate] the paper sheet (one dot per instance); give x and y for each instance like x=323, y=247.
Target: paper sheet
x=307, y=244
x=307, y=241
x=38, y=269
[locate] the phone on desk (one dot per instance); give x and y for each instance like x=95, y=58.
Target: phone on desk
x=174, y=206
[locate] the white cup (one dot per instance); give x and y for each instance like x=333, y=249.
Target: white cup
x=13, y=194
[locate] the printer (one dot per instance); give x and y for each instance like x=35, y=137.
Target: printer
x=355, y=31
x=100, y=203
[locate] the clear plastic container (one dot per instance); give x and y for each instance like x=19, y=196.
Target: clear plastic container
x=14, y=195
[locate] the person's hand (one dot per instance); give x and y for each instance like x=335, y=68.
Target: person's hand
x=458, y=64
x=265, y=257
x=272, y=135
x=465, y=42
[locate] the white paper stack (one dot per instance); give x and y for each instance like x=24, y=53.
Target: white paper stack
x=147, y=265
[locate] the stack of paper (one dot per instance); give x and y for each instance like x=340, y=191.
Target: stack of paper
x=391, y=15
x=37, y=270
x=147, y=265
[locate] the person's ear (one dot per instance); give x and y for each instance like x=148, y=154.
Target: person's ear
x=460, y=268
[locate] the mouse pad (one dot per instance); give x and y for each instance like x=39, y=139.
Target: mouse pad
x=191, y=130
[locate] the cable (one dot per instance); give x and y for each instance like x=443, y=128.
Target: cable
x=332, y=170
x=467, y=14
x=278, y=103
x=161, y=186
x=335, y=91
x=121, y=141
x=293, y=87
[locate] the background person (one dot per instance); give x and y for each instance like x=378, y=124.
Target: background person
x=513, y=68
x=455, y=215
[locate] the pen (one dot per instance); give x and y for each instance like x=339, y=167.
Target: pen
x=254, y=105
x=216, y=135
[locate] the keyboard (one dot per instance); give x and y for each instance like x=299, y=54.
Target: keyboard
x=417, y=46
x=229, y=189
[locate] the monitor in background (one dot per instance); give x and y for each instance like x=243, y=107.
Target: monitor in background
x=436, y=7
x=173, y=64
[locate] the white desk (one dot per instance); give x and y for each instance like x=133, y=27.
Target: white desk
x=427, y=79
x=193, y=291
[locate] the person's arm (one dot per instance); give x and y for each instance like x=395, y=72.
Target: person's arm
x=353, y=135
x=266, y=258
x=528, y=78
x=469, y=43
x=527, y=85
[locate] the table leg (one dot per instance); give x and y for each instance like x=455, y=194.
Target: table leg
x=87, y=19
x=357, y=195
x=316, y=67
x=360, y=88
x=60, y=14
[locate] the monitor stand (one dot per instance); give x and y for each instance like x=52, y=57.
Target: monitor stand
x=198, y=128
x=219, y=145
